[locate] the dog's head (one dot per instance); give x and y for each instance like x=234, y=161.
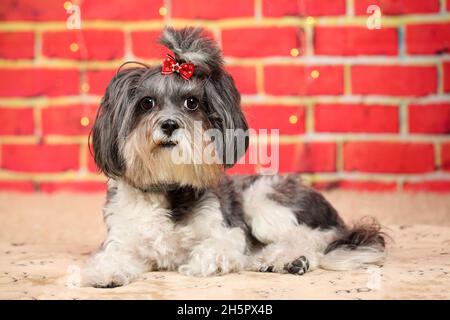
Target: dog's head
x=155, y=129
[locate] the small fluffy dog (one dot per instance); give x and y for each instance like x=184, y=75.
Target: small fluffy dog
x=190, y=216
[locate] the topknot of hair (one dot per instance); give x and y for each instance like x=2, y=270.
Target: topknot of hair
x=192, y=45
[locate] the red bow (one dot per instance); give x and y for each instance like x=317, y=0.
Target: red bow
x=170, y=65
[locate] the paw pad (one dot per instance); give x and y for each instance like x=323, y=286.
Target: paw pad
x=299, y=266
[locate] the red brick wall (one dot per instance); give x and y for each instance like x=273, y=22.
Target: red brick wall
x=356, y=108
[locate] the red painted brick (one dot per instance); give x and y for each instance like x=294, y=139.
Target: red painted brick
x=445, y=157
x=433, y=186
x=432, y=118
x=244, y=78
x=16, y=121
x=262, y=42
x=276, y=117
x=16, y=45
x=13, y=186
x=37, y=82
x=93, y=44
x=396, y=7
x=118, y=10
x=428, y=38
x=309, y=157
x=91, y=163
x=355, y=41
x=212, y=9
x=282, y=8
x=388, y=157
x=40, y=158
x=145, y=45
x=78, y=186
x=446, y=77
x=297, y=80
x=43, y=10
x=98, y=80
x=66, y=120
x=394, y=80
x=355, y=118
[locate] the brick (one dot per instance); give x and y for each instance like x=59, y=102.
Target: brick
x=247, y=166
x=445, y=157
x=398, y=7
x=98, y=80
x=40, y=158
x=145, y=45
x=212, y=9
x=388, y=157
x=43, y=10
x=78, y=186
x=348, y=41
x=91, y=163
x=262, y=42
x=355, y=118
x=282, y=8
x=117, y=10
x=428, y=38
x=244, y=78
x=394, y=80
x=297, y=80
x=16, y=45
x=431, y=186
x=431, y=118
x=93, y=44
x=37, y=82
x=308, y=157
x=14, y=186
x=446, y=68
x=67, y=120
x=276, y=117
x=16, y=121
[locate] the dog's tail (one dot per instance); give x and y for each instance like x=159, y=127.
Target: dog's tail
x=365, y=243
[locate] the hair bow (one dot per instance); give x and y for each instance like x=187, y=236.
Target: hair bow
x=170, y=65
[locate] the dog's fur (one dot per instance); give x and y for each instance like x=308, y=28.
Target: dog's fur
x=191, y=217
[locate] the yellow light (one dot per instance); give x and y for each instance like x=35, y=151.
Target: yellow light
x=315, y=74
x=85, y=87
x=310, y=20
x=294, y=52
x=162, y=11
x=293, y=119
x=74, y=47
x=67, y=5
x=84, y=121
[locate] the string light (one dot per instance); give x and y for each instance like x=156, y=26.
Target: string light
x=315, y=74
x=74, y=47
x=85, y=87
x=67, y=5
x=84, y=121
x=310, y=20
x=295, y=52
x=163, y=11
x=293, y=119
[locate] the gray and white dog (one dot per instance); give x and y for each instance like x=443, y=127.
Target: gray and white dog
x=190, y=216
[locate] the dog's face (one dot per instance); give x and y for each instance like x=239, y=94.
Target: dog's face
x=148, y=127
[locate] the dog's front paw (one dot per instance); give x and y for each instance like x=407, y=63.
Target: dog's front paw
x=110, y=272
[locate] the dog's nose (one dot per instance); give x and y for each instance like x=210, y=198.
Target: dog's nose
x=169, y=126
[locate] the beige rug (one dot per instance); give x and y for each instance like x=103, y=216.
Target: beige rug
x=45, y=238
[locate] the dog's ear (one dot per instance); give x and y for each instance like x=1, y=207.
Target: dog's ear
x=224, y=110
x=110, y=123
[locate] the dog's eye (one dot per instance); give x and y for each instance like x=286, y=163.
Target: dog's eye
x=147, y=103
x=191, y=103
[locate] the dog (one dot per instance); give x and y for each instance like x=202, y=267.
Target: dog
x=189, y=216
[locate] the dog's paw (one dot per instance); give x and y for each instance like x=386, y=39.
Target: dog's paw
x=104, y=277
x=299, y=266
